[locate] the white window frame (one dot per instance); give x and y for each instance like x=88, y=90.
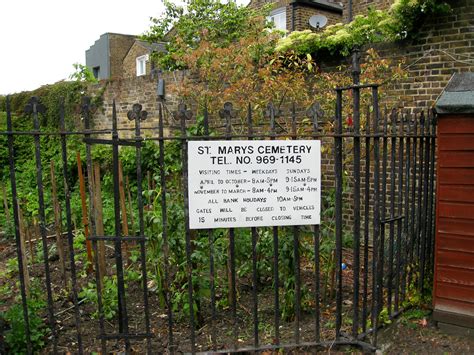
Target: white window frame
x=141, y=64
x=278, y=17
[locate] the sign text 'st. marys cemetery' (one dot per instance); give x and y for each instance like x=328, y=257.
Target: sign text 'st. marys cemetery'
x=254, y=183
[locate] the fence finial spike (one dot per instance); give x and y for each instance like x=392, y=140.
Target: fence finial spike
x=315, y=112
x=228, y=111
x=136, y=113
x=183, y=112
x=34, y=105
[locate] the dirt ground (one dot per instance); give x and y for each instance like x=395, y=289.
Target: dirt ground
x=412, y=333
x=421, y=336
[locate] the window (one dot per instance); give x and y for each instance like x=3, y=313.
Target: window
x=96, y=72
x=141, y=65
x=278, y=17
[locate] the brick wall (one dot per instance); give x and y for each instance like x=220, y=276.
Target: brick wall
x=360, y=7
x=119, y=45
x=302, y=13
x=445, y=46
x=129, y=65
x=142, y=90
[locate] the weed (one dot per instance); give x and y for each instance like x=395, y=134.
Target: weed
x=15, y=337
x=109, y=297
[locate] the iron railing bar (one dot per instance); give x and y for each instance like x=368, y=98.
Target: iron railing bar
x=383, y=207
x=338, y=166
x=393, y=143
x=15, y=206
x=210, y=237
x=356, y=192
x=138, y=115
x=422, y=202
x=296, y=250
x=317, y=266
x=122, y=306
x=70, y=236
x=376, y=262
x=253, y=231
x=233, y=286
x=276, y=281
x=183, y=113
x=42, y=223
x=406, y=223
x=227, y=113
x=366, y=223
x=413, y=202
x=420, y=198
x=129, y=141
x=399, y=261
x=431, y=192
x=45, y=133
x=424, y=205
x=121, y=239
x=357, y=86
x=164, y=221
x=276, y=275
x=93, y=230
x=296, y=256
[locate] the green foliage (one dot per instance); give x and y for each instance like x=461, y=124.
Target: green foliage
x=399, y=22
x=51, y=96
x=415, y=313
x=15, y=337
x=12, y=266
x=407, y=15
x=220, y=22
x=109, y=296
x=83, y=73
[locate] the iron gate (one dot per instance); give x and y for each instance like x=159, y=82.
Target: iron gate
x=380, y=184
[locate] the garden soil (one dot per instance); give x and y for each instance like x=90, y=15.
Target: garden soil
x=404, y=335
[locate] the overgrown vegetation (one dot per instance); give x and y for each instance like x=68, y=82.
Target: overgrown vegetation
x=250, y=70
x=15, y=335
x=400, y=21
x=185, y=25
x=235, y=58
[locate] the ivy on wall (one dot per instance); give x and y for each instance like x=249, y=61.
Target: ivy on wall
x=398, y=22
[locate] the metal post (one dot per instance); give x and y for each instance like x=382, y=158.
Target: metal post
x=338, y=186
x=11, y=155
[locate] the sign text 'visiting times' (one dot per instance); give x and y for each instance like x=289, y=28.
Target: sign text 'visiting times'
x=254, y=183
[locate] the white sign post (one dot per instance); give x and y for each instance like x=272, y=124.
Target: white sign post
x=254, y=183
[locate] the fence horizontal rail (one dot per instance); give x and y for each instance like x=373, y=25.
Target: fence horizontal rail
x=162, y=286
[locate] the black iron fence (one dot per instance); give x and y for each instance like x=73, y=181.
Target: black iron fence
x=141, y=280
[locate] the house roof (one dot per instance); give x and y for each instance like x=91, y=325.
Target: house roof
x=321, y=4
x=152, y=47
x=159, y=47
x=458, y=96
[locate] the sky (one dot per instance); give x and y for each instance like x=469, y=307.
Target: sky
x=40, y=40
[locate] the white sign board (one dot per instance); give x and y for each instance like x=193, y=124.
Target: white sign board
x=254, y=183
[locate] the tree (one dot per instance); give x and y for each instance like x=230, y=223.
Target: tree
x=251, y=71
x=184, y=26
